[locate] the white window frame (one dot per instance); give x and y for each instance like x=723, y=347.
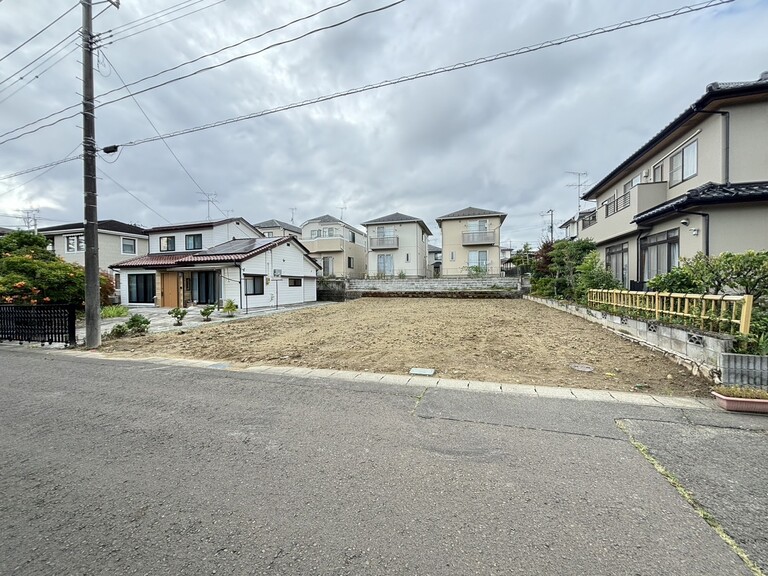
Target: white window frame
x=122, y=245
x=251, y=285
x=78, y=243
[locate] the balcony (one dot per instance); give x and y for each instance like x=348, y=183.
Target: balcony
x=614, y=217
x=383, y=242
x=478, y=238
x=588, y=221
x=318, y=245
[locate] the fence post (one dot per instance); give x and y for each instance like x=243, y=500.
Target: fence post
x=657, y=305
x=746, y=314
x=71, y=333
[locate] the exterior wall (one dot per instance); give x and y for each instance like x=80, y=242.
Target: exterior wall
x=452, y=245
x=110, y=248
x=277, y=232
x=748, y=142
x=211, y=236
x=410, y=256
x=737, y=228
x=124, y=283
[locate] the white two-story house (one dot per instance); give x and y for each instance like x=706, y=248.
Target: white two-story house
x=397, y=246
x=471, y=242
x=340, y=249
x=699, y=185
x=212, y=261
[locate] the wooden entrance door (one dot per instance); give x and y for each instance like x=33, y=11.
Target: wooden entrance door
x=170, y=288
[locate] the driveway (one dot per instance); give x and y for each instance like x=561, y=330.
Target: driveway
x=118, y=467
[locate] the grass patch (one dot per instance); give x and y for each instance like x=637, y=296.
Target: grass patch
x=741, y=392
x=114, y=311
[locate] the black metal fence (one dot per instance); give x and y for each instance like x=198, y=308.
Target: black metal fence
x=50, y=323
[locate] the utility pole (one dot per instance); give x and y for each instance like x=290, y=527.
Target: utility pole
x=92, y=292
x=551, y=225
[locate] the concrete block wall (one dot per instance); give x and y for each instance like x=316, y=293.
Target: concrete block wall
x=433, y=284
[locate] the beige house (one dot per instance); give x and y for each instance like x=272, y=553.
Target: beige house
x=277, y=228
x=471, y=242
x=434, y=261
x=117, y=241
x=699, y=185
x=397, y=246
x=340, y=249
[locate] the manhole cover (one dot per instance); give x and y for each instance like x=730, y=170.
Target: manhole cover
x=582, y=367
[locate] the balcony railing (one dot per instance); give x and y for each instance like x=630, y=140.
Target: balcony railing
x=383, y=242
x=613, y=206
x=588, y=221
x=475, y=238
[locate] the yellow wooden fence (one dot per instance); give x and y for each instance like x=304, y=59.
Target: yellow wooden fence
x=713, y=312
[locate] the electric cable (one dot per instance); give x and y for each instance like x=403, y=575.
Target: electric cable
x=51, y=49
x=42, y=167
x=36, y=76
x=28, y=40
x=43, y=173
x=139, y=200
x=434, y=72
x=152, y=16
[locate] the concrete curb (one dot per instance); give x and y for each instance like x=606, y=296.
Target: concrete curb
x=576, y=394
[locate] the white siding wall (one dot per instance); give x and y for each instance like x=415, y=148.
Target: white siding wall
x=110, y=249
x=211, y=236
x=124, y=283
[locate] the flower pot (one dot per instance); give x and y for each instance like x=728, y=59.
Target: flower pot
x=741, y=404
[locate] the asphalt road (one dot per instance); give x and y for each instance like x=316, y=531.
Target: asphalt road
x=110, y=467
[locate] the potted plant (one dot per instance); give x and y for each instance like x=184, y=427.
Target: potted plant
x=741, y=399
x=206, y=312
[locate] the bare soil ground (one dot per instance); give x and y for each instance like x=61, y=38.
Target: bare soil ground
x=513, y=341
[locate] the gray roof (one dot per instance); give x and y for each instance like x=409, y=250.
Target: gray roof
x=709, y=193
x=110, y=225
x=197, y=224
x=433, y=248
x=470, y=212
x=714, y=92
x=399, y=218
x=278, y=224
x=328, y=219
x=4, y=230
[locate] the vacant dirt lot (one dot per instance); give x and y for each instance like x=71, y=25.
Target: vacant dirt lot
x=514, y=341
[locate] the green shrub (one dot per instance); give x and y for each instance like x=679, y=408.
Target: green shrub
x=206, y=312
x=116, y=311
x=680, y=280
x=593, y=275
x=229, y=308
x=138, y=324
x=178, y=314
x=118, y=331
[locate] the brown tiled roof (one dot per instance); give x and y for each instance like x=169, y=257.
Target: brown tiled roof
x=164, y=260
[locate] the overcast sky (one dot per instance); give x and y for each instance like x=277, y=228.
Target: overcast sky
x=501, y=136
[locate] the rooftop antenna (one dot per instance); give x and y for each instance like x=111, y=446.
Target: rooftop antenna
x=343, y=207
x=30, y=218
x=293, y=213
x=579, y=185
x=210, y=199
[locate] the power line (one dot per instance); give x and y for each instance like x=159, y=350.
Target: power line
x=209, y=54
x=51, y=49
x=139, y=200
x=28, y=40
x=436, y=71
x=39, y=128
x=39, y=175
x=195, y=182
x=242, y=56
x=152, y=16
x=101, y=44
x=42, y=167
x=36, y=76
x=74, y=106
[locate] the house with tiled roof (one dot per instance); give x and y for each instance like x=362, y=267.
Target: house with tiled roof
x=199, y=263
x=339, y=248
x=276, y=228
x=699, y=185
x=117, y=241
x=397, y=246
x=471, y=242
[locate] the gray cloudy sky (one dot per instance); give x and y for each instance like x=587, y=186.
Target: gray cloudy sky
x=500, y=136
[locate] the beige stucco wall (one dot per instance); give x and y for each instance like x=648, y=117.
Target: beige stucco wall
x=452, y=246
x=110, y=249
x=749, y=142
x=738, y=228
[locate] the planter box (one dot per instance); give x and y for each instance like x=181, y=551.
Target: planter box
x=741, y=404
x=744, y=370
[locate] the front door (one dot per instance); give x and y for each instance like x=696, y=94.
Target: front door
x=169, y=289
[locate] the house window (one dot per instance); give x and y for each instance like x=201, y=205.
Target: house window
x=268, y=234
x=385, y=231
x=658, y=172
x=193, y=242
x=141, y=288
x=385, y=264
x=128, y=246
x=314, y=234
x=632, y=183
x=478, y=260
x=327, y=265
x=407, y=257
x=659, y=253
x=477, y=226
x=117, y=281
x=351, y=236
x=167, y=243
x=617, y=262
x=254, y=285
x=75, y=243
x=684, y=164
x=350, y=262
x=294, y=282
